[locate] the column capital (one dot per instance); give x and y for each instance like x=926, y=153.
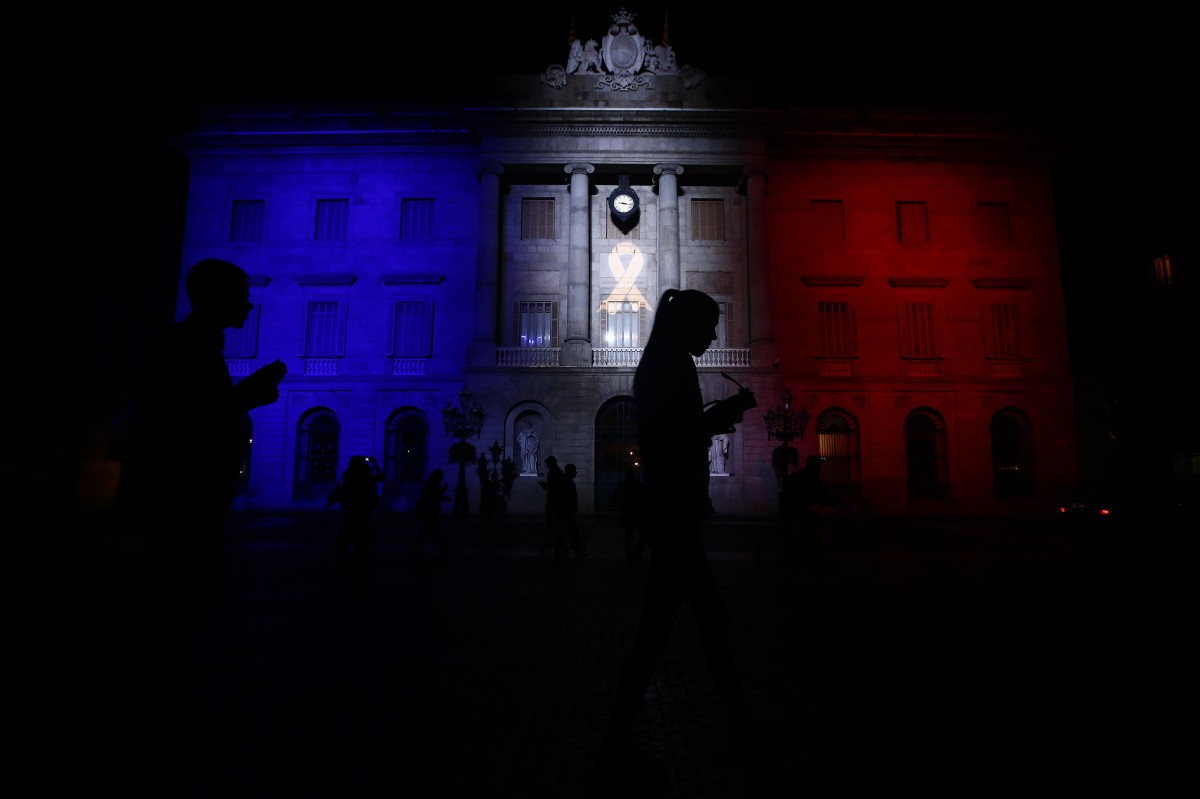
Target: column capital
x=490, y=168
x=668, y=169
x=579, y=167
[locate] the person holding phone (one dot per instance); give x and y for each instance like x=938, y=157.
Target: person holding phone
x=178, y=479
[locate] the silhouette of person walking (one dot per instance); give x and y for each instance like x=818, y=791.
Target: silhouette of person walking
x=808, y=505
x=552, y=485
x=178, y=480
x=627, y=496
x=565, y=512
x=674, y=433
x=358, y=494
x=429, y=507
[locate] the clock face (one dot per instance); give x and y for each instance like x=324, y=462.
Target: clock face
x=622, y=203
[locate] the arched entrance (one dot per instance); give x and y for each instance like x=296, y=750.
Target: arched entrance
x=616, y=447
x=1012, y=454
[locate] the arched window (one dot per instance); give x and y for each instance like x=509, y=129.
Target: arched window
x=838, y=444
x=406, y=450
x=1012, y=454
x=925, y=451
x=317, y=436
x=616, y=447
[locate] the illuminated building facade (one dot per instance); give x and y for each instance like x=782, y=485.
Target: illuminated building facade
x=897, y=273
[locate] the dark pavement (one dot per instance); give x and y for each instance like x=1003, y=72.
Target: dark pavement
x=963, y=659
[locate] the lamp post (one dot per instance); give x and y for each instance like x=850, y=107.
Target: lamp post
x=462, y=422
x=785, y=424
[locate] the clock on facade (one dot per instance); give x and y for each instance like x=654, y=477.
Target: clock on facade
x=623, y=201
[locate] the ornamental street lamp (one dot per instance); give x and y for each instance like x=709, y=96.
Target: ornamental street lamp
x=785, y=424
x=462, y=422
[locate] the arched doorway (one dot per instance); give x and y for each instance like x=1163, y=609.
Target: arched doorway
x=405, y=456
x=838, y=444
x=616, y=447
x=925, y=453
x=316, y=473
x=1012, y=454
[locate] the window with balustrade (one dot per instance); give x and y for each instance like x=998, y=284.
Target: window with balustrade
x=536, y=323
x=411, y=329
x=920, y=334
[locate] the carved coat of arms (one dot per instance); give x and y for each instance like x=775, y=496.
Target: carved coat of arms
x=624, y=48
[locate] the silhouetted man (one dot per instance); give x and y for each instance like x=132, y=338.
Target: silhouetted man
x=178, y=480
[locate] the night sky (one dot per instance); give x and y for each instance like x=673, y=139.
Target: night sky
x=96, y=97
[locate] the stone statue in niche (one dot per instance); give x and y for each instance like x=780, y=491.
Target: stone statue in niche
x=528, y=445
x=718, y=455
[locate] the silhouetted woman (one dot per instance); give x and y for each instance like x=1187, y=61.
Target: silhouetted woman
x=674, y=432
x=429, y=505
x=358, y=494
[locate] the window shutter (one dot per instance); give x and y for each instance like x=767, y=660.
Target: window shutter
x=391, y=329
x=427, y=330
x=340, y=345
x=554, y=324
x=516, y=324
x=304, y=312
x=643, y=324
x=604, y=324
x=852, y=329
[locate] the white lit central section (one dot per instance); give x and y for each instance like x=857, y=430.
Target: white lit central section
x=621, y=306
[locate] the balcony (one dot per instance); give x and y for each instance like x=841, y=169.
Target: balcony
x=627, y=357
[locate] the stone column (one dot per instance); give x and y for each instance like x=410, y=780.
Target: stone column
x=577, y=343
x=758, y=288
x=668, y=227
x=482, y=350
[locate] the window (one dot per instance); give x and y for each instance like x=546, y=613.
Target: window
x=537, y=324
x=1162, y=270
x=621, y=324
x=838, y=329
x=912, y=223
x=411, y=327
x=828, y=222
x=722, y=341
x=537, y=218
x=1002, y=332
x=332, y=220
x=243, y=342
x=316, y=471
x=708, y=220
x=416, y=219
x=246, y=223
x=918, y=331
x=324, y=329
x=994, y=224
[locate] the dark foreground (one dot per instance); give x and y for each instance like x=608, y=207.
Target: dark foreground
x=968, y=660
